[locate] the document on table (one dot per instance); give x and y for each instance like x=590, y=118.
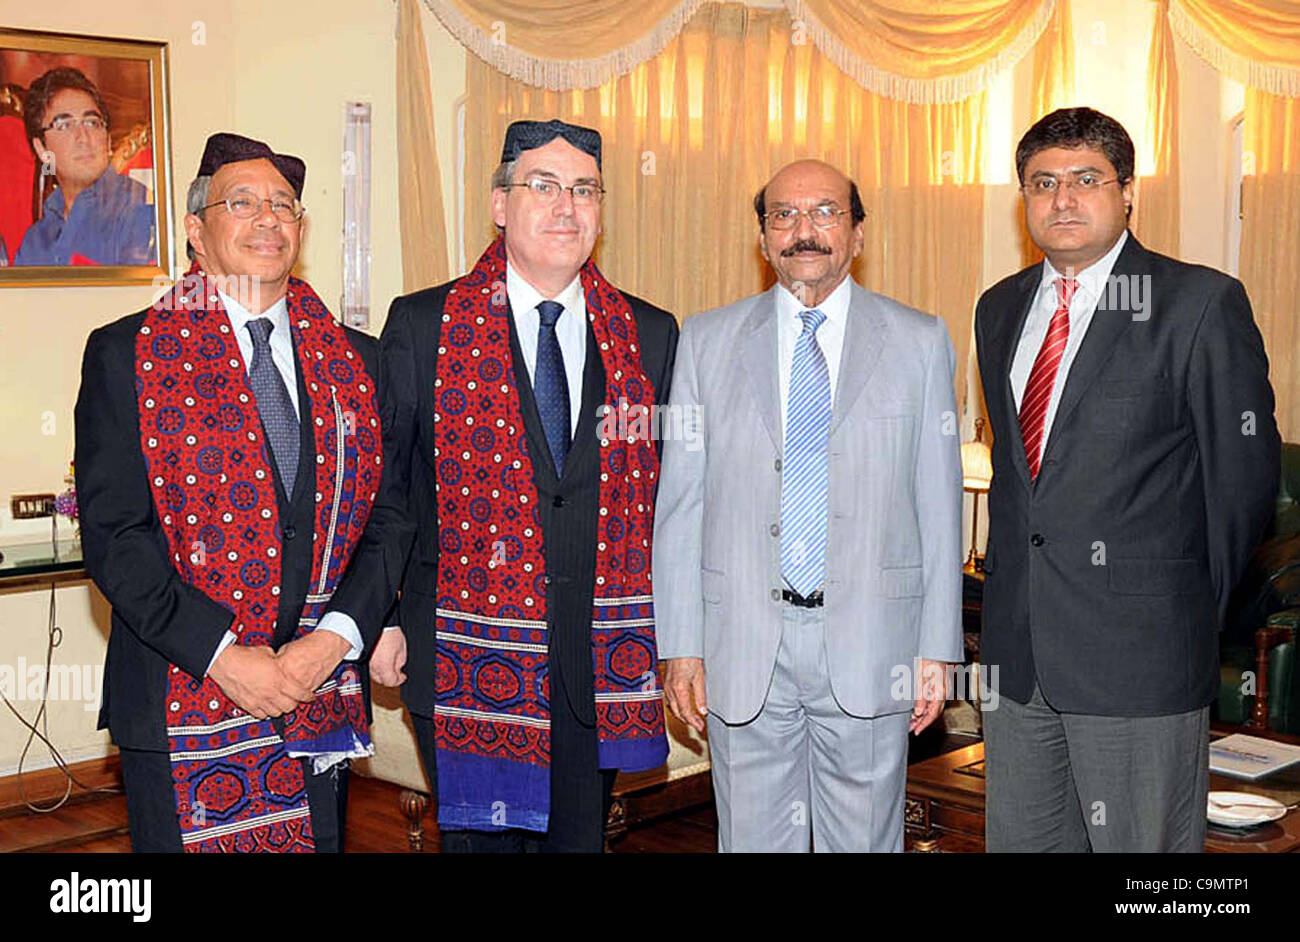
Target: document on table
x=1250, y=757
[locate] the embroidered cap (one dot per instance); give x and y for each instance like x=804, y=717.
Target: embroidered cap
x=224, y=148
x=526, y=135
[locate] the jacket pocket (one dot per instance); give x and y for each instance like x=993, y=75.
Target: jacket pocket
x=1156, y=576
x=902, y=582
x=712, y=582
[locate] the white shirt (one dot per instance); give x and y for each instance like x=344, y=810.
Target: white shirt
x=281, y=344
x=280, y=340
x=830, y=335
x=1091, y=289
x=570, y=331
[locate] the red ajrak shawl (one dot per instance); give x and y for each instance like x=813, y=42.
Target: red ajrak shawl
x=238, y=788
x=492, y=711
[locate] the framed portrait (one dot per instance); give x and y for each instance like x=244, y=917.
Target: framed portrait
x=85, y=160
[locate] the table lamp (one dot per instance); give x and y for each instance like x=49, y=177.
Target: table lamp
x=977, y=475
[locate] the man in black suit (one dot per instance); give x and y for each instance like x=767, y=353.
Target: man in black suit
x=202, y=427
x=1135, y=461
x=535, y=301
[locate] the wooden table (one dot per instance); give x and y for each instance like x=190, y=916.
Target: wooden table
x=944, y=806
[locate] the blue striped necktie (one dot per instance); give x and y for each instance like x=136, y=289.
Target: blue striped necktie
x=273, y=403
x=805, y=467
x=551, y=385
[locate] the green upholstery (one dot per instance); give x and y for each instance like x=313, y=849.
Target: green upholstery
x=1269, y=593
x=1235, y=659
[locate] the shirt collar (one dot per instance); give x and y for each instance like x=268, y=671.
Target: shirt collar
x=240, y=315
x=524, y=297
x=1092, y=280
x=54, y=203
x=835, y=306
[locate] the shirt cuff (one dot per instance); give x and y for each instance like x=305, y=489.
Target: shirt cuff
x=388, y=628
x=343, y=625
x=226, y=642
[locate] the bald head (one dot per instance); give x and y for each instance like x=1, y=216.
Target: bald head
x=810, y=259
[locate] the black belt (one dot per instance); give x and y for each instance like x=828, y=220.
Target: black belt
x=812, y=600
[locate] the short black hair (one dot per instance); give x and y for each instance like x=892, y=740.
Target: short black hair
x=1078, y=127
x=856, y=211
x=45, y=87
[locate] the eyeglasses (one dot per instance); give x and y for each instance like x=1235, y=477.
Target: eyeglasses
x=246, y=207
x=547, y=192
x=823, y=217
x=91, y=122
x=1046, y=186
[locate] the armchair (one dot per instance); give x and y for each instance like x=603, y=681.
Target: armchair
x=1263, y=620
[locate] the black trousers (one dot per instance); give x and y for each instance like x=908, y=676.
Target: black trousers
x=151, y=804
x=580, y=793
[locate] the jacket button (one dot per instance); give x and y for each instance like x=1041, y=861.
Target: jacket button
x=559, y=501
x=776, y=595
x=1036, y=539
x=290, y=532
x=774, y=529
x=777, y=464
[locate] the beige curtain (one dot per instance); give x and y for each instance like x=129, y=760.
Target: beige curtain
x=918, y=50
x=692, y=134
x=1155, y=218
x=911, y=50
x=1256, y=42
x=1269, y=262
x=564, y=44
x=419, y=183
x=1053, y=76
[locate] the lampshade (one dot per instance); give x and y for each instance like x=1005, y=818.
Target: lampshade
x=976, y=466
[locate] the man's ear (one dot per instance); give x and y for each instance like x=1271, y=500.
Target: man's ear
x=194, y=232
x=762, y=247
x=43, y=155
x=499, y=206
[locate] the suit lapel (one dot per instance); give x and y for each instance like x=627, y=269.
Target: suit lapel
x=758, y=353
x=593, y=397
x=1104, y=331
x=305, y=477
x=864, y=339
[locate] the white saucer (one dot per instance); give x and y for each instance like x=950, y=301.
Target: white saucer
x=1249, y=809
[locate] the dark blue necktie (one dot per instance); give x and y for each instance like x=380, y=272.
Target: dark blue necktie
x=273, y=402
x=550, y=386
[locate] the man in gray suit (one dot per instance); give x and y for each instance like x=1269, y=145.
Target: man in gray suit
x=807, y=560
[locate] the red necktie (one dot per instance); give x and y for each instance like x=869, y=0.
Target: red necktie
x=1038, y=390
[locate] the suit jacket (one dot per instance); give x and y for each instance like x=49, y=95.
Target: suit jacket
x=1108, y=577
x=157, y=619
x=893, y=553
x=406, y=511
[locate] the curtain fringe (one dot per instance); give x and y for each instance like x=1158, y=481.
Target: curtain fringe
x=561, y=75
x=921, y=91
x=1274, y=79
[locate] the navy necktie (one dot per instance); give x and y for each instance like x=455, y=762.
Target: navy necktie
x=550, y=385
x=273, y=402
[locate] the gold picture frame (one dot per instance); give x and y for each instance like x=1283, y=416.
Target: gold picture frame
x=114, y=239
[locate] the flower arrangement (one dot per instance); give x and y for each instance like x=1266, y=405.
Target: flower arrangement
x=66, y=503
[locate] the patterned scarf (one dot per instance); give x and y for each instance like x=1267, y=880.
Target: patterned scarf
x=239, y=786
x=492, y=711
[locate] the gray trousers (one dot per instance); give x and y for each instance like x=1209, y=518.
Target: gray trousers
x=803, y=773
x=1074, y=782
